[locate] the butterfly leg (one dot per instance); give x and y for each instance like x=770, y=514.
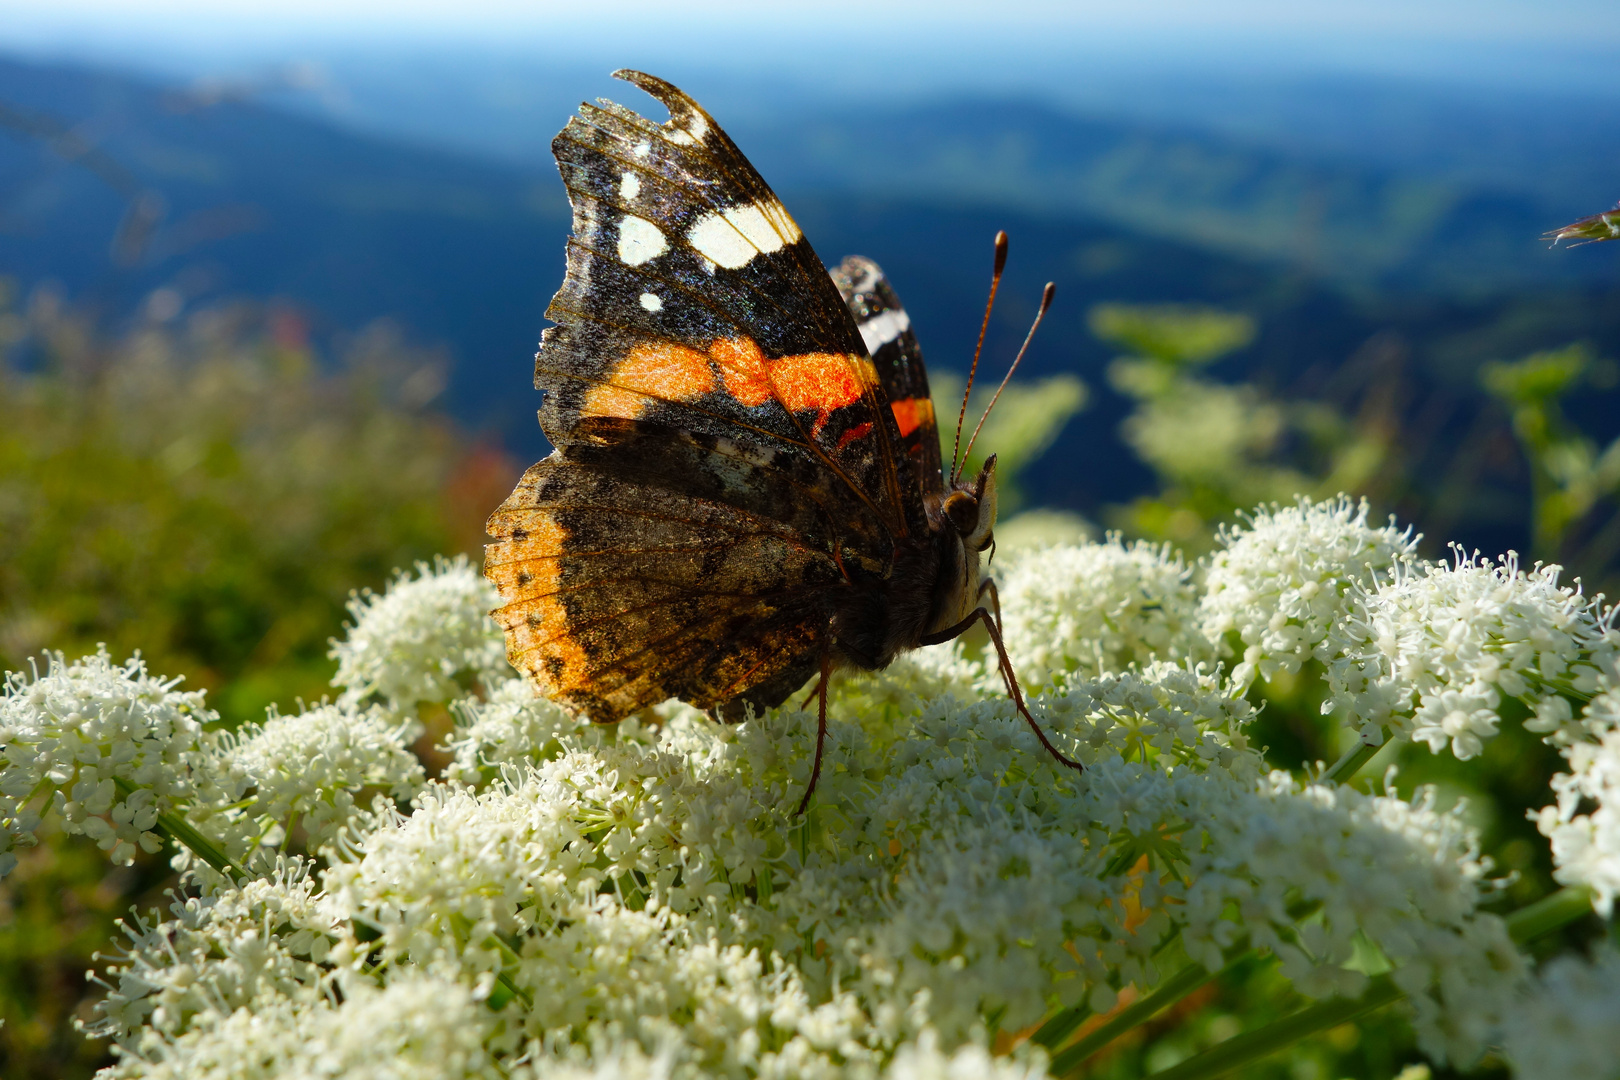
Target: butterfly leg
x=1004, y=663
x=821, y=725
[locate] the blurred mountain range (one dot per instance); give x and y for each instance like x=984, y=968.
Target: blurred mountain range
x=114, y=187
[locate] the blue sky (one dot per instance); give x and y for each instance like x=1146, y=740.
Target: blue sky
x=1573, y=44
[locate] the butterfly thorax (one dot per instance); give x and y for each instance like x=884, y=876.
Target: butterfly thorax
x=934, y=584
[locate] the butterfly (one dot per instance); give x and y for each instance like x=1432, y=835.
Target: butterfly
x=747, y=489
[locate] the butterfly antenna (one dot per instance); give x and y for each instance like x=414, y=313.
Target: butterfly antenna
x=1046, y=302
x=995, y=283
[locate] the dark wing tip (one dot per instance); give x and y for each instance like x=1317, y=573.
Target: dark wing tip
x=679, y=103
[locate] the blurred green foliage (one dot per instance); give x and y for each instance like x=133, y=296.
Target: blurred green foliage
x=1570, y=476
x=204, y=490
x=207, y=493
x=1219, y=447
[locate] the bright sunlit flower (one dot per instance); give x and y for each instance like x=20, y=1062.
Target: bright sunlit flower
x=1583, y=825
x=425, y=639
x=1431, y=650
x=107, y=747
x=1281, y=581
x=571, y=900
x=305, y=770
x=1098, y=608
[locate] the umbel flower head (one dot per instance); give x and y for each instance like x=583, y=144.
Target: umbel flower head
x=1284, y=579
x=1432, y=650
x=105, y=746
x=567, y=900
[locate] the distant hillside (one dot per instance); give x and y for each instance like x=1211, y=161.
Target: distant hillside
x=244, y=199
x=257, y=202
x=1363, y=180
x=1350, y=223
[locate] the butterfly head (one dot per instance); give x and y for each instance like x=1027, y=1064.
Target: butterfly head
x=968, y=527
x=971, y=508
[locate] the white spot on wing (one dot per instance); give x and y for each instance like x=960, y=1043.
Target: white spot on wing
x=643, y=148
x=732, y=237
x=883, y=328
x=639, y=241
x=651, y=302
x=629, y=186
x=868, y=280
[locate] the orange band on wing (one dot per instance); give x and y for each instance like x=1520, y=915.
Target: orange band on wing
x=912, y=413
x=665, y=371
x=819, y=381
x=742, y=366
x=660, y=371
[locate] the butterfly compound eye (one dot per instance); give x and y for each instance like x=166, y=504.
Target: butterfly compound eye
x=963, y=510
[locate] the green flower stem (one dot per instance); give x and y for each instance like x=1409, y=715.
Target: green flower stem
x=178, y=829
x=1528, y=923
x=507, y=989
x=1344, y=770
x=1060, y=1026
x=1169, y=992
x=1241, y=1050
x=1063, y=1024
x=1549, y=913
x=512, y=989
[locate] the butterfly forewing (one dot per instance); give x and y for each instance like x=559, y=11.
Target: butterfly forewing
x=692, y=297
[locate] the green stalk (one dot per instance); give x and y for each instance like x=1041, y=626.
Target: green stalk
x=179, y=830
x=513, y=990
x=1243, y=1049
x=1344, y=770
x=507, y=990
x=1060, y=1026
x=1550, y=913
x=1528, y=923
x=1169, y=992
x=1063, y=1024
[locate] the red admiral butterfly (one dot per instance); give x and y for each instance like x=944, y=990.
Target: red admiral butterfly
x=747, y=489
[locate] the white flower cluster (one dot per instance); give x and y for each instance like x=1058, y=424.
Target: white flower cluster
x=224, y=952
x=415, y=1028
x=1098, y=608
x=1568, y=1024
x=577, y=901
x=1164, y=710
x=1432, y=650
x=1584, y=823
x=512, y=725
x=106, y=746
x=304, y=770
x=424, y=639
x=1283, y=581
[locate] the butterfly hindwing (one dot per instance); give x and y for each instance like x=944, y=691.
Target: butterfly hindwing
x=622, y=587
x=885, y=329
